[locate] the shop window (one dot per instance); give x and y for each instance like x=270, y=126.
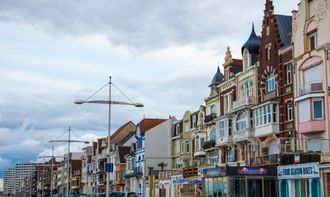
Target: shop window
x=289, y=110
x=288, y=69
x=301, y=188
x=270, y=82
x=317, y=109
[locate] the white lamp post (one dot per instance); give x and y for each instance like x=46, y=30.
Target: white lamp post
x=68, y=162
x=109, y=102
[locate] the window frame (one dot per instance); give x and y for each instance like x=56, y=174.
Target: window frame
x=312, y=36
x=313, y=108
x=242, y=121
x=221, y=130
x=288, y=69
x=271, y=82
x=289, y=110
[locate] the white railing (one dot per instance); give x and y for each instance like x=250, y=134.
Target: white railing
x=249, y=100
x=313, y=86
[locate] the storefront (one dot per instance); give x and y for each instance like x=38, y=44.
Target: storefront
x=240, y=182
x=301, y=180
x=186, y=186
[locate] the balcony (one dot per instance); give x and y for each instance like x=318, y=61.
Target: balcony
x=210, y=117
x=209, y=144
x=243, y=135
x=268, y=129
x=224, y=140
x=199, y=154
x=311, y=87
x=244, y=102
x=269, y=159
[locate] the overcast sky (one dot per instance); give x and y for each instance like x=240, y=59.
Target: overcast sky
x=161, y=53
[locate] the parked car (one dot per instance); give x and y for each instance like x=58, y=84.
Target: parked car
x=122, y=194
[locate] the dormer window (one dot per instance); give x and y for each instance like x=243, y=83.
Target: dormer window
x=246, y=59
x=213, y=109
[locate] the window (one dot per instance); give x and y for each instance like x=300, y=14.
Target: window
x=197, y=142
x=310, y=8
x=214, y=158
x=312, y=39
x=227, y=102
x=187, y=146
x=304, y=110
x=194, y=121
x=241, y=122
x=213, y=134
x=221, y=128
x=288, y=69
x=177, y=129
x=213, y=109
x=265, y=115
x=317, y=109
x=246, y=59
x=268, y=52
x=202, y=141
x=289, y=107
x=270, y=82
x=230, y=155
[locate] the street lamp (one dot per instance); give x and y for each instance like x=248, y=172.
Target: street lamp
x=109, y=102
x=68, y=163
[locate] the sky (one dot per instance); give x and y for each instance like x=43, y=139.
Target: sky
x=160, y=53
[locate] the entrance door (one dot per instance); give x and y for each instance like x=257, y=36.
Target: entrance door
x=270, y=187
x=284, y=188
x=254, y=188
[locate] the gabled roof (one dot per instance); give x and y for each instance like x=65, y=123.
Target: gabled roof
x=149, y=123
x=253, y=43
x=122, y=132
x=285, y=28
x=218, y=78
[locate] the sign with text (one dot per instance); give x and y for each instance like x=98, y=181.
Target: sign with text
x=298, y=171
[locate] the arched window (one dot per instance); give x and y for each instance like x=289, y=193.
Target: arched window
x=241, y=122
x=270, y=82
x=213, y=109
x=213, y=135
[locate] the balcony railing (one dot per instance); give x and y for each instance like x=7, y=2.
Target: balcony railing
x=224, y=140
x=210, y=117
x=269, y=159
x=243, y=135
x=209, y=144
x=246, y=101
x=311, y=87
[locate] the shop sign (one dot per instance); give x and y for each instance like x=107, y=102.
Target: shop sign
x=213, y=172
x=184, y=180
x=251, y=171
x=298, y=171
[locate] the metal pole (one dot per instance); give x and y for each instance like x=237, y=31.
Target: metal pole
x=109, y=134
x=68, y=170
x=51, y=173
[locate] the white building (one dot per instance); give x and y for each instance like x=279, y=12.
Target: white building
x=9, y=184
x=22, y=170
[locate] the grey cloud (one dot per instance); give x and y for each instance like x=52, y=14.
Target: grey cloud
x=143, y=24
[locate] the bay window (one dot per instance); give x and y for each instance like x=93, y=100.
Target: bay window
x=265, y=114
